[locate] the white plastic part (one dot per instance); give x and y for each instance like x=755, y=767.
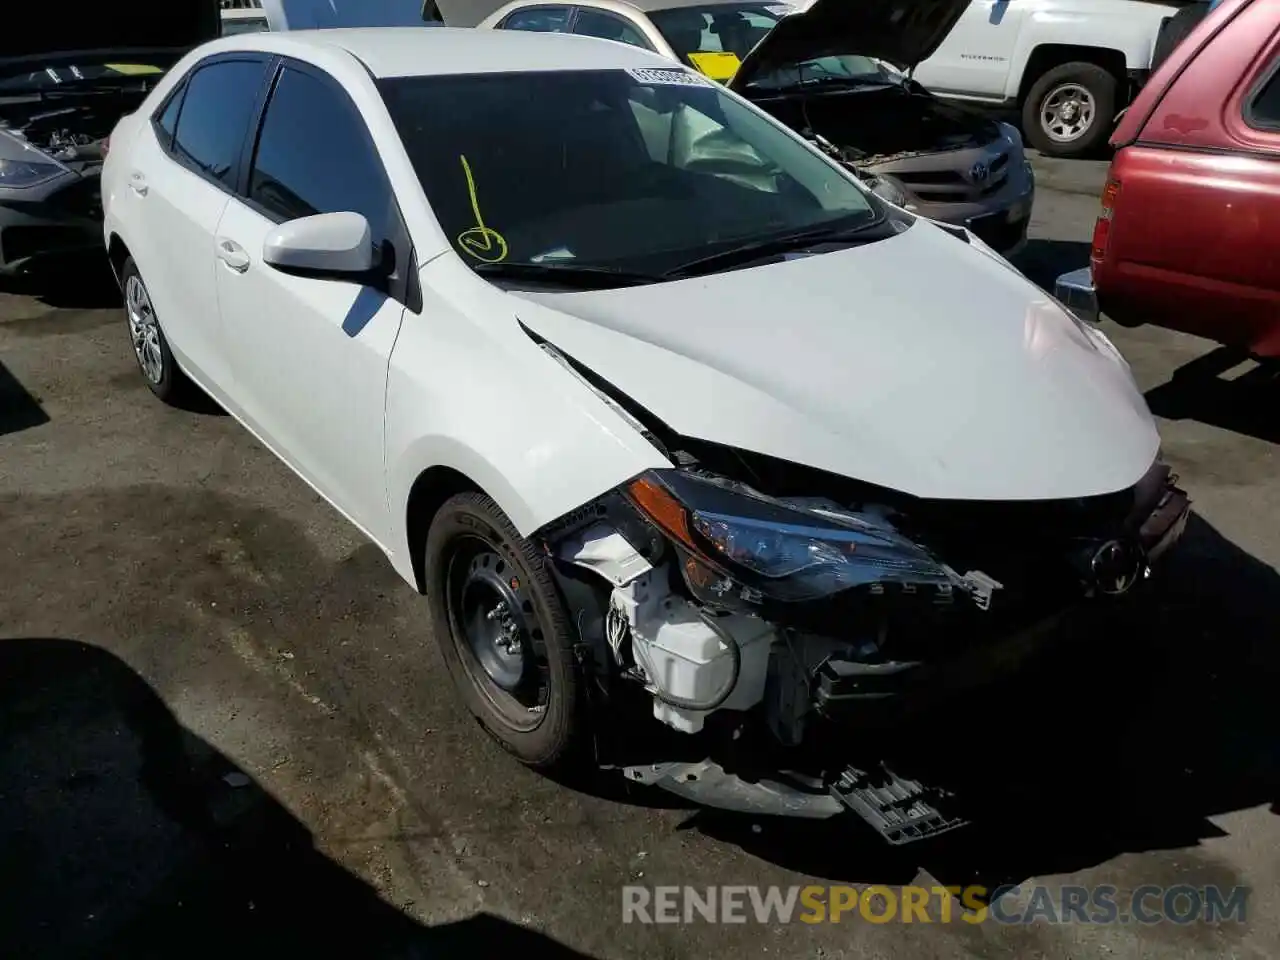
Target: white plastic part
x=685, y=657
x=327, y=242
x=607, y=552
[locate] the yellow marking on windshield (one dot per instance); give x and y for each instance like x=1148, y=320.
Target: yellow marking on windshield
x=719, y=65
x=487, y=246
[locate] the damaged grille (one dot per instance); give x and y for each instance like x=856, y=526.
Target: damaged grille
x=957, y=186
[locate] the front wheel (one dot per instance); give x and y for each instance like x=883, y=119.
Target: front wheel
x=1069, y=110
x=503, y=631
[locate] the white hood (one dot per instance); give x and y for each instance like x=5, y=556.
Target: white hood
x=914, y=363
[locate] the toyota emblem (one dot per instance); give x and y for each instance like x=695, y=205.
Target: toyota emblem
x=978, y=172
x=1116, y=567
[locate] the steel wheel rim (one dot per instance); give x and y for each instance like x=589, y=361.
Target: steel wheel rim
x=497, y=634
x=1067, y=113
x=144, y=329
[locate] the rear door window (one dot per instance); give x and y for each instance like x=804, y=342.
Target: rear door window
x=166, y=121
x=1264, y=109
x=538, y=20
x=214, y=119
x=608, y=26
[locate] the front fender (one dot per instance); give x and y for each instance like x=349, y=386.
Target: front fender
x=467, y=389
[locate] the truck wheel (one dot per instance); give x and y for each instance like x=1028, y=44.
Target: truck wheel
x=503, y=632
x=1069, y=110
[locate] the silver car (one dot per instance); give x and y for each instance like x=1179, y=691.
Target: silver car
x=840, y=74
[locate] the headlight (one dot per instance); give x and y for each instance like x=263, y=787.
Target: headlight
x=26, y=173
x=889, y=190
x=1010, y=132
x=783, y=552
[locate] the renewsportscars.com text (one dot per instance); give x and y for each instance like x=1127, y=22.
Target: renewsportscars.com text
x=1181, y=904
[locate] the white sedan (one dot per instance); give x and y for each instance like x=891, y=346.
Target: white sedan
x=722, y=428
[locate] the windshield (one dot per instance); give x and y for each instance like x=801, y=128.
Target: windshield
x=716, y=38
x=637, y=170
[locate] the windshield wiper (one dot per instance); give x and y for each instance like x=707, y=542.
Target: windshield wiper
x=566, y=274
x=759, y=249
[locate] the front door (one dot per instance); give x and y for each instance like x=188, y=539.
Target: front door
x=310, y=356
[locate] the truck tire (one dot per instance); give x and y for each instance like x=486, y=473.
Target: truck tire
x=1068, y=112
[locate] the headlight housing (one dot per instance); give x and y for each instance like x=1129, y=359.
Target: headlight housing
x=781, y=551
x=26, y=173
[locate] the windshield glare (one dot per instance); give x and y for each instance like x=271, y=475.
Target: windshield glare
x=706, y=37
x=606, y=169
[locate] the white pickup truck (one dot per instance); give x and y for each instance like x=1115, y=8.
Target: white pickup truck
x=1069, y=66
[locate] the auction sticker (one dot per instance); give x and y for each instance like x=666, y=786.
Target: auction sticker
x=674, y=76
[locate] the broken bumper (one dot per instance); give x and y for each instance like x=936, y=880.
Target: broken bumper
x=1076, y=292
x=50, y=220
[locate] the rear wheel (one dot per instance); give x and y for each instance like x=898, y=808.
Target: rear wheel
x=1069, y=110
x=503, y=632
x=150, y=348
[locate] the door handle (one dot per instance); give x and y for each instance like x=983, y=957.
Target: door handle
x=138, y=184
x=233, y=255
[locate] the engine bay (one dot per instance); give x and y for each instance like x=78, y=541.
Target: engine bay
x=867, y=127
x=70, y=127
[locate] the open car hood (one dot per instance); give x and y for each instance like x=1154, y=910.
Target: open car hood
x=973, y=386
x=900, y=32
x=57, y=27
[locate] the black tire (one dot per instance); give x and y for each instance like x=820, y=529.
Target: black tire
x=155, y=360
x=467, y=530
x=1174, y=30
x=1102, y=87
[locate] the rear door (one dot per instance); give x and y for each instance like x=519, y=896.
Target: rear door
x=180, y=177
x=310, y=355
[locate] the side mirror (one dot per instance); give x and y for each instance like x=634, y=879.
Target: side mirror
x=327, y=246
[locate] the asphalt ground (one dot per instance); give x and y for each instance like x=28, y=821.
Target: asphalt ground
x=225, y=731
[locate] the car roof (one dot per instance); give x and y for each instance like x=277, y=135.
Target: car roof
x=422, y=51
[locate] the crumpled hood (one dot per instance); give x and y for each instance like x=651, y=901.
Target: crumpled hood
x=900, y=32
x=914, y=363
x=40, y=29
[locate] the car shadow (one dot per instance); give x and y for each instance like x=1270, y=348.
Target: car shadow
x=19, y=410
x=1197, y=391
x=74, y=281
x=1043, y=261
x=1145, y=725
x=126, y=835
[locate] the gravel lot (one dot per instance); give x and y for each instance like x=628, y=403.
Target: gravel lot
x=223, y=728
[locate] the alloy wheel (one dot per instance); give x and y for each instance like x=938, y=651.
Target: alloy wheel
x=144, y=329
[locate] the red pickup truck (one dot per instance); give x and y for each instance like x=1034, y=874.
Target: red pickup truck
x=1188, y=236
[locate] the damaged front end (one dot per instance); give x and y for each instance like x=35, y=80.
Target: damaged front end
x=778, y=614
